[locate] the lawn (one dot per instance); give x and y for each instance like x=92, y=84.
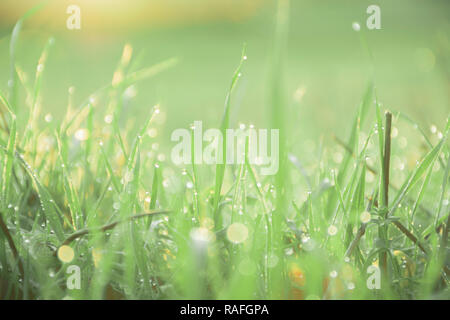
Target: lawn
x=94, y=204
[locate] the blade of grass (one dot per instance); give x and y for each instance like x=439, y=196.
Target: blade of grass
x=13, y=51
x=386, y=157
x=71, y=194
x=416, y=126
x=12, y=246
x=415, y=176
x=109, y=226
x=31, y=126
x=375, y=172
x=48, y=205
x=110, y=170
x=225, y=123
x=8, y=163
x=128, y=80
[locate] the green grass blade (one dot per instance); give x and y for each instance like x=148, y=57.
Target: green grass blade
x=13, y=50
x=8, y=163
x=48, y=205
x=225, y=123
x=415, y=176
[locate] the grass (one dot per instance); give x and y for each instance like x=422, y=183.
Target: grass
x=143, y=228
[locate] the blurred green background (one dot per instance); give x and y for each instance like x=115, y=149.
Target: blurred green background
x=326, y=72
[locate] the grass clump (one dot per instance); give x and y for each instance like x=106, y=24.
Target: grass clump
x=140, y=227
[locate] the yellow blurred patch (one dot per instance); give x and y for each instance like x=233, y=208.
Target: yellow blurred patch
x=96, y=256
x=65, y=254
x=117, y=15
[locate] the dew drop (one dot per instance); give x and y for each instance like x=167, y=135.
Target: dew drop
x=356, y=26
x=48, y=118
x=332, y=230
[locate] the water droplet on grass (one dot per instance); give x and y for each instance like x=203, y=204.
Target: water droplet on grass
x=356, y=26
x=332, y=230
x=48, y=118
x=82, y=134
x=108, y=118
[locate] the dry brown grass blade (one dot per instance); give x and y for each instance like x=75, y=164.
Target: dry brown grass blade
x=354, y=243
x=386, y=165
x=109, y=226
x=387, y=183
x=375, y=172
x=410, y=236
x=387, y=157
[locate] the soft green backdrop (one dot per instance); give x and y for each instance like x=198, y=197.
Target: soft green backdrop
x=325, y=59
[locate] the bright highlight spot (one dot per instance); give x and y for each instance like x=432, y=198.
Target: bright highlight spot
x=48, y=118
x=65, y=254
x=82, y=134
x=365, y=217
x=108, y=118
x=237, y=233
x=202, y=235
x=332, y=230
